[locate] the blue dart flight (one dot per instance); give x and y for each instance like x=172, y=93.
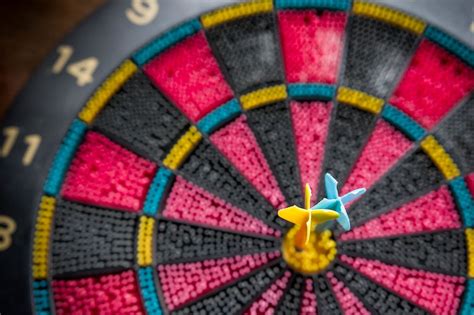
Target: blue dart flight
x=336, y=203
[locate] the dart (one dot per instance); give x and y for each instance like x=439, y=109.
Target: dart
x=336, y=203
x=328, y=209
x=303, y=218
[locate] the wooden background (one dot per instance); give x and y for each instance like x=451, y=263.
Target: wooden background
x=29, y=30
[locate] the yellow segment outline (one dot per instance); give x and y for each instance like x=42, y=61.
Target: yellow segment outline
x=41, y=241
x=145, y=241
x=108, y=88
x=440, y=157
x=182, y=148
x=263, y=97
x=390, y=16
x=237, y=11
x=360, y=100
x=470, y=252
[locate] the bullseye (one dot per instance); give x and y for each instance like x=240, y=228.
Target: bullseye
x=314, y=257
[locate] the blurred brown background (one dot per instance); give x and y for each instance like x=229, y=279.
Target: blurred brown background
x=29, y=29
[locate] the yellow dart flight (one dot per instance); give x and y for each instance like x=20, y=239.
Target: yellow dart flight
x=303, y=218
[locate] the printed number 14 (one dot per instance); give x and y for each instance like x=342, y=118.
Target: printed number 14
x=83, y=70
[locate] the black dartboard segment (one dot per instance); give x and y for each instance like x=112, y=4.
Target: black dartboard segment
x=140, y=118
x=91, y=239
x=291, y=301
x=377, y=54
x=178, y=242
x=456, y=133
x=440, y=252
x=349, y=130
x=249, y=51
x=272, y=127
x=161, y=197
x=327, y=303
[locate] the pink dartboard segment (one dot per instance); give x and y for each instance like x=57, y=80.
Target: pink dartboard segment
x=190, y=203
x=470, y=183
x=238, y=144
x=266, y=304
x=188, y=74
x=439, y=294
x=385, y=147
x=434, y=211
x=308, y=300
x=310, y=127
x=349, y=303
x=433, y=84
x=108, y=295
x=105, y=174
x=312, y=43
x=185, y=282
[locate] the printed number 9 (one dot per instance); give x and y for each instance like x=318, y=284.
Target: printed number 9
x=142, y=12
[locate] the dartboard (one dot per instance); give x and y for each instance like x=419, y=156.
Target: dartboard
x=147, y=177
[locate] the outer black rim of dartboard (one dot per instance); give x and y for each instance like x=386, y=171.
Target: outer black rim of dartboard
x=49, y=103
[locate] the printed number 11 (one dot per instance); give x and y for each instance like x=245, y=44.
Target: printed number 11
x=32, y=141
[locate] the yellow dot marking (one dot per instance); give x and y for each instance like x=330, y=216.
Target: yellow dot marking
x=316, y=255
x=263, y=97
x=41, y=237
x=235, y=12
x=360, y=100
x=103, y=94
x=182, y=148
x=145, y=241
x=390, y=16
x=470, y=251
x=440, y=157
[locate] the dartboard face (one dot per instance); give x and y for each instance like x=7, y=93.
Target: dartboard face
x=163, y=194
